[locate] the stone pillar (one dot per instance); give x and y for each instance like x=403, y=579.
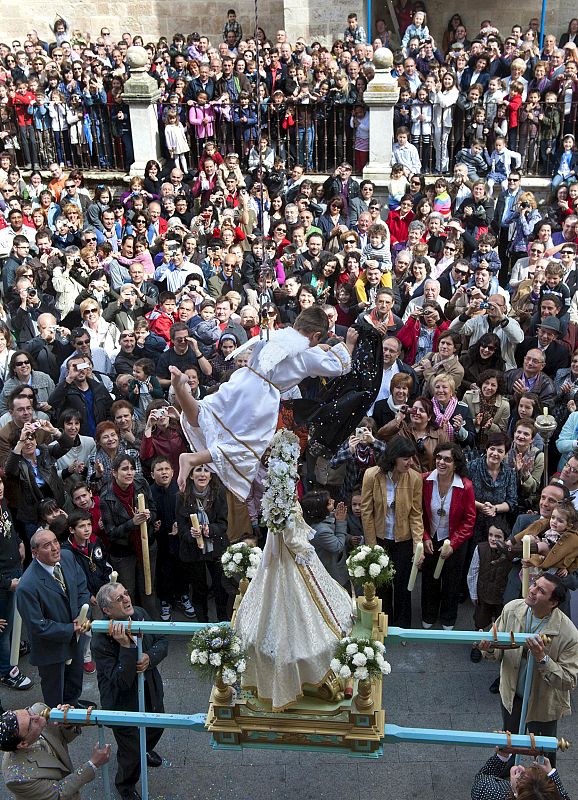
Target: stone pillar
x=141, y=93
x=381, y=95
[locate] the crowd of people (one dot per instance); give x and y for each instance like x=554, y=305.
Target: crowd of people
x=470, y=282
x=491, y=100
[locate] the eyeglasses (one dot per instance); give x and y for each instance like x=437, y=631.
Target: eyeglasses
x=91, y=311
x=489, y=347
x=536, y=250
x=568, y=468
x=444, y=459
x=513, y=180
x=450, y=248
x=21, y=363
x=564, y=252
x=91, y=239
x=70, y=186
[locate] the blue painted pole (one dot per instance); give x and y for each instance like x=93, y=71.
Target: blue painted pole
x=526, y=697
x=368, y=30
x=105, y=768
x=398, y=733
x=144, y=776
x=407, y=634
x=100, y=716
x=392, y=733
x=543, y=22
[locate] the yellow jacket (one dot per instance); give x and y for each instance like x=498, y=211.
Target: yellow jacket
x=408, y=506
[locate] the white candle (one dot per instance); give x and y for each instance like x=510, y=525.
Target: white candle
x=113, y=576
x=526, y=545
x=416, y=559
x=441, y=560
x=83, y=614
x=16, y=634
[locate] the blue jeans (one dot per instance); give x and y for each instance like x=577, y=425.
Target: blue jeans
x=7, y=613
x=305, y=147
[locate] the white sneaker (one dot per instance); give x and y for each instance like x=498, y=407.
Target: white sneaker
x=186, y=605
x=16, y=680
x=427, y=625
x=448, y=627
x=165, y=612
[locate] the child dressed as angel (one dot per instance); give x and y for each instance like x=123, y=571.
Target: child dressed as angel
x=230, y=429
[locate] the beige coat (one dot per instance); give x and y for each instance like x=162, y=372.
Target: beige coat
x=553, y=681
x=408, y=507
x=501, y=417
x=33, y=773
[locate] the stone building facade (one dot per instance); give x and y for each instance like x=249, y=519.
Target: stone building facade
x=314, y=19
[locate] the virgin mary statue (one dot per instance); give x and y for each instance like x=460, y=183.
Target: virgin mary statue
x=293, y=613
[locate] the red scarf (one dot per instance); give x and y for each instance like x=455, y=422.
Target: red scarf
x=127, y=499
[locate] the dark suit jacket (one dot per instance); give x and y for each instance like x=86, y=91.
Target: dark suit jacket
x=499, y=211
x=557, y=354
x=116, y=670
x=49, y=612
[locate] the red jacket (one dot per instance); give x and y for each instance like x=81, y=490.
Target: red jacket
x=20, y=103
x=514, y=104
x=408, y=335
x=462, y=511
x=160, y=322
x=398, y=227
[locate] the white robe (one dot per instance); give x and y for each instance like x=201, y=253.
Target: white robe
x=237, y=423
x=291, y=617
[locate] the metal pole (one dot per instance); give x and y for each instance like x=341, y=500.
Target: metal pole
x=144, y=777
x=526, y=697
x=105, y=768
x=543, y=22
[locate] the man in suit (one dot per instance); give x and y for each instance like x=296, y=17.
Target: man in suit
x=334, y=330
x=49, y=597
x=227, y=279
x=530, y=378
x=504, y=205
x=117, y=668
x=557, y=354
x=36, y=764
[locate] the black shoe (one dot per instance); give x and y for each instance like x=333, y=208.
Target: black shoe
x=24, y=648
x=495, y=687
x=85, y=704
x=475, y=655
x=153, y=759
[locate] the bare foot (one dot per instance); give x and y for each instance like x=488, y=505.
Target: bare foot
x=186, y=463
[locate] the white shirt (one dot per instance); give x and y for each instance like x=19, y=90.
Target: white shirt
x=440, y=509
x=384, y=389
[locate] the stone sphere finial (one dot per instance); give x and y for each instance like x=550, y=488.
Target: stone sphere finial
x=137, y=59
x=382, y=58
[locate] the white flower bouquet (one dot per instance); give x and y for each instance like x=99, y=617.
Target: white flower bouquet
x=279, y=498
x=218, y=649
x=368, y=564
x=360, y=659
x=240, y=560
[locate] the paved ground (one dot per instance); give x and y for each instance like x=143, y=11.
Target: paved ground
x=430, y=686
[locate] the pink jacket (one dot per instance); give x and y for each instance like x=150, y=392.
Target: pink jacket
x=198, y=117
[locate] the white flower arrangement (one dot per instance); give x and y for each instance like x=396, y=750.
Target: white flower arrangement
x=218, y=648
x=282, y=476
x=360, y=658
x=241, y=560
x=370, y=564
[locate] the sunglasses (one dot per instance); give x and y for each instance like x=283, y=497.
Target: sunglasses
x=91, y=239
x=91, y=311
x=350, y=241
x=21, y=363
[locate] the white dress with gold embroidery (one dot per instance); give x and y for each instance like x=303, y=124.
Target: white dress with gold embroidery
x=237, y=423
x=291, y=617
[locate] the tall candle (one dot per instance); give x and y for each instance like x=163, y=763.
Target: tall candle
x=196, y=526
x=442, y=557
x=416, y=559
x=526, y=545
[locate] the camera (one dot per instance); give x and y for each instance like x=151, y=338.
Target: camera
x=484, y=305
x=84, y=365
x=161, y=412
x=31, y=291
x=525, y=204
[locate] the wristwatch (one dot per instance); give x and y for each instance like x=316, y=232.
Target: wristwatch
x=544, y=660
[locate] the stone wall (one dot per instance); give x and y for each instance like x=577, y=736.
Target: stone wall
x=150, y=18
x=310, y=18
